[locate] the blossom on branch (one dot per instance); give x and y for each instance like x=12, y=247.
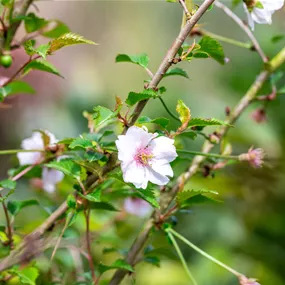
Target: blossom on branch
x=260, y=11
x=137, y=207
x=50, y=177
x=254, y=157
x=145, y=157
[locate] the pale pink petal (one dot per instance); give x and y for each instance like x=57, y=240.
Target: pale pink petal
x=137, y=206
x=50, y=177
x=26, y=158
x=163, y=169
x=163, y=149
x=139, y=136
x=135, y=173
x=155, y=177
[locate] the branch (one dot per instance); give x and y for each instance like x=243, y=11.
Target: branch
x=244, y=27
x=168, y=197
x=167, y=61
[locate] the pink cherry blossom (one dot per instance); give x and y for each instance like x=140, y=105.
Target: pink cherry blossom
x=145, y=157
x=254, y=157
x=246, y=281
x=137, y=206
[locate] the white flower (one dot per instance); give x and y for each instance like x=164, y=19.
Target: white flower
x=50, y=177
x=145, y=157
x=34, y=142
x=261, y=11
x=137, y=206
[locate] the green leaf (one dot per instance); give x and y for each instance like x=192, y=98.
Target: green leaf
x=103, y=206
x=201, y=54
x=184, y=114
x=58, y=30
x=8, y=184
x=71, y=201
x=28, y=275
x=118, y=264
x=95, y=196
x=42, y=65
x=34, y=23
x=281, y=90
x=154, y=260
x=163, y=122
x=213, y=48
x=148, y=196
x=140, y=59
x=200, y=122
x=81, y=143
x=92, y=156
x=102, y=115
x=67, y=40
x=14, y=207
x=134, y=97
x=43, y=50
x=189, y=134
x=16, y=87
x=277, y=38
x=189, y=197
x=67, y=166
x=176, y=71
x=275, y=77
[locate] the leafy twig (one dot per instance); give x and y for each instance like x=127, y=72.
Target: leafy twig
x=167, y=109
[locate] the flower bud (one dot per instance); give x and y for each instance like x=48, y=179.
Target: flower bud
x=259, y=115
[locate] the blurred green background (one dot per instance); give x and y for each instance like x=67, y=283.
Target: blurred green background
x=247, y=230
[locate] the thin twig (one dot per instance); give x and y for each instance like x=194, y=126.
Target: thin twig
x=245, y=28
x=186, y=11
x=149, y=72
x=179, y=253
x=88, y=244
x=167, y=61
x=167, y=109
x=9, y=226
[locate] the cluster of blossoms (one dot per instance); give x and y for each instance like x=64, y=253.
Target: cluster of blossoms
x=261, y=11
x=50, y=177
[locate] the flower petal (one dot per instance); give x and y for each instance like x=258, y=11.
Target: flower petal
x=27, y=158
x=163, y=169
x=155, y=177
x=163, y=149
x=135, y=173
x=50, y=178
x=137, y=206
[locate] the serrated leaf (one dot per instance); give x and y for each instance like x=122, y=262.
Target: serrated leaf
x=184, y=115
x=118, y=264
x=16, y=87
x=67, y=166
x=95, y=196
x=148, y=196
x=189, y=197
x=102, y=115
x=8, y=184
x=58, y=30
x=41, y=65
x=200, y=122
x=163, y=122
x=34, y=23
x=140, y=59
x=81, y=143
x=29, y=47
x=134, y=97
x=67, y=40
x=176, y=71
x=213, y=48
x=14, y=207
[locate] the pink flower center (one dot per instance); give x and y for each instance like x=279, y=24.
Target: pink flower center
x=143, y=156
